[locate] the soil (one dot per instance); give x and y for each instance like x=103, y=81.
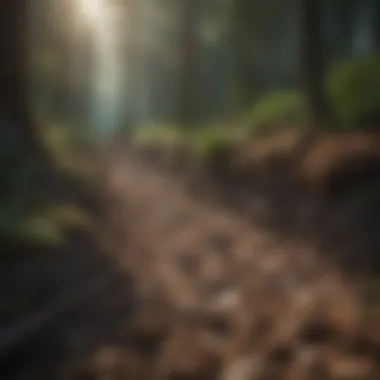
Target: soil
x=224, y=292
x=252, y=272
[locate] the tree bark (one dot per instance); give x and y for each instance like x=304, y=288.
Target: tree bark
x=15, y=93
x=376, y=24
x=13, y=73
x=188, y=87
x=312, y=64
x=243, y=32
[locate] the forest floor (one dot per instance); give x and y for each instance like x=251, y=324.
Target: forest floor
x=221, y=297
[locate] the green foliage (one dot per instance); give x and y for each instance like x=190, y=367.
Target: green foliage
x=45, y=62
x=203, y=143
x=276, y=110
x=164, y=135
x=211, y=141
x=354, y=91
x=64, y=144
x=40, y=224
x=26, y=214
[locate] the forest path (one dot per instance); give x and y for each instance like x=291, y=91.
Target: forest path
x=206, y=260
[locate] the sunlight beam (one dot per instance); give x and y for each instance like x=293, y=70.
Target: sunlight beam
x=92, y=10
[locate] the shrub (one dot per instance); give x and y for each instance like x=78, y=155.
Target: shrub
x=209, y=142
x=28, y=213
x=276, y=110
x=354, y=91
x=162, y=135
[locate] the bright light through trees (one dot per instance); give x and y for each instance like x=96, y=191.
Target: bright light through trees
x=92, y=10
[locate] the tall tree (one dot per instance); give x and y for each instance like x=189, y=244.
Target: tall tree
x=376, y=24
x=312, y=63
x=243, y=33
x=13, y=50
x=38, y=322
x=189, y=65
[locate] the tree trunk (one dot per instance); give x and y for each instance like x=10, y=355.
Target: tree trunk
x=376, y=24
x=15, y=92
x=243, y=31
x=13, y=75
x=312, y=62
x=38, y=324
x=188, y=85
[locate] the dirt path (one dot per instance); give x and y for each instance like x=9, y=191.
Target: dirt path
x=263, y=305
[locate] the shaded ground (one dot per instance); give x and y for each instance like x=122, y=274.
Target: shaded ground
x=60, y=301
x=222, y=298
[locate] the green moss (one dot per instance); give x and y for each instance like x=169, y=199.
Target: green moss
x=26, y=215
x=40, y=224
x=354, y=91
x=164, y=135
x=276, y=110
x=203, y=142
x=211, y=142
